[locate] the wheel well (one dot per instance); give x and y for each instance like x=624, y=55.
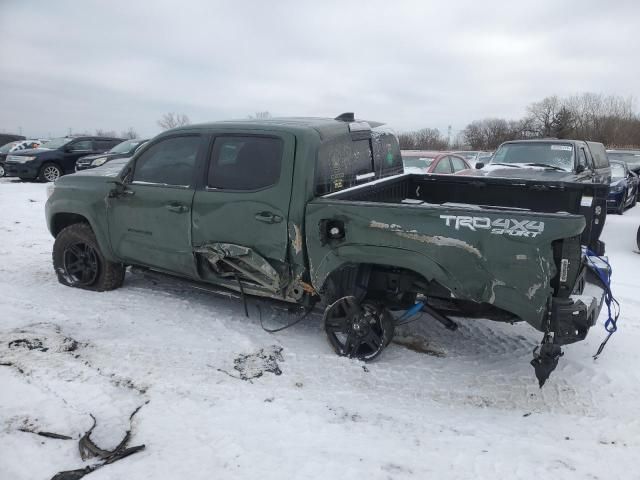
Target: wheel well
x=393, y=285
x=63, y=220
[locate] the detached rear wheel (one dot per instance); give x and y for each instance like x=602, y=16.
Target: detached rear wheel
x=78, y=261
x=357, y=330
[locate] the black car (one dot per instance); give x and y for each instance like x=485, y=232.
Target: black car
x=623, y=190
x=551, y=159
x=56, y=157
x=630, y=157
x=12, y=147
x=7, y=137
x=122, y=150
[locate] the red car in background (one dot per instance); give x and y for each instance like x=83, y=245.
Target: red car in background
x=423, y=162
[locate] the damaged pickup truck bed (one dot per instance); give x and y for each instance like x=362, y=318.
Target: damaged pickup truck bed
x=318, y=212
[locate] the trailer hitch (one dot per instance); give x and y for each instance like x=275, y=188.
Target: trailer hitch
x=545, y=359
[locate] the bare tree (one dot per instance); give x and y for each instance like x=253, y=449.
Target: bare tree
x=173, y=120
x=609, y=119
x=105, y=133
x=130, y=133
x=542, y=114
x=424, y=139
x=487, y=134
x=261, y=115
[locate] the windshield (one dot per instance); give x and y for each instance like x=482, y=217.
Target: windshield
x=56, y=142
x=633, y=158
x=7, y=147
x=418, y=162
x=126, y=146
x=558, y=155
x=617, y=170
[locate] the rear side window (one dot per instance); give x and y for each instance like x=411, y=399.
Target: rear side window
x=443, y=166
x=387, y=159
x=81, y=146
x=245, y=162
x=102, y=145
x=599, y=154
x=169, y=162
x=343, y=163
x=458, y=164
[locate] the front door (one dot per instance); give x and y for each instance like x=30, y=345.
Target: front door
x=245, y=198
x=73, y=151
x=150, y=221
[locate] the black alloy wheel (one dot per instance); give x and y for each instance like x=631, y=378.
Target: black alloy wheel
x=357, y=330
x=81, y=265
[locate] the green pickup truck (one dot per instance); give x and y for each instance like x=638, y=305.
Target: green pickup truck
x=319, y=213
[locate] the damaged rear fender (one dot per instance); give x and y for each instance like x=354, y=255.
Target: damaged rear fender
x=387, y=256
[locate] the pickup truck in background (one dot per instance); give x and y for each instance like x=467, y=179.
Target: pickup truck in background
x=318, y=212
x=568, y=161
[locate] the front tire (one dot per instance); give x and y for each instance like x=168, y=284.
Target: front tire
x=50, y=172
x=1, y=170
x=78, y=261
x=620, y=209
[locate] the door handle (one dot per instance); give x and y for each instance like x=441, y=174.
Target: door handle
x=268, y=217
x=177, y=207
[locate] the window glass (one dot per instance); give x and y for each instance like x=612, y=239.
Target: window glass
x=102, y=145
x=618, y=171
x=169, y=162
x=343, y=163
x=582, y=158
x=599, y=154
x=458, y=164
x=386, y=153
x=541, y=153
x=245, y=162
x=82, y=146
x=443, y=166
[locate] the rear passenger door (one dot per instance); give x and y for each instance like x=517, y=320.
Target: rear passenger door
x=245, y=194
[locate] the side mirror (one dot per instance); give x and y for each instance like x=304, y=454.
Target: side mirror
x=479, y=165
x=580, y=168
x=119, y=189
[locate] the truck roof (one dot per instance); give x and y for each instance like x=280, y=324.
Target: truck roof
x=548, y=140
x=325, y=127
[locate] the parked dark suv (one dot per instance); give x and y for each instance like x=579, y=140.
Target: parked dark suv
x=551, y=159
x=56, y=157
x=122, y=150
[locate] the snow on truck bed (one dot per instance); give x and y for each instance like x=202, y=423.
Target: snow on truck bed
x=437, y=404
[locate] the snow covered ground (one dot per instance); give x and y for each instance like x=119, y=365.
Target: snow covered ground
x=467, y=408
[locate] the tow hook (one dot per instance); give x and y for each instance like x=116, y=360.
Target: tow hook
x=545, y=359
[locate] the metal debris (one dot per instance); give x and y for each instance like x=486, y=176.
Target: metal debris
x=88, y=449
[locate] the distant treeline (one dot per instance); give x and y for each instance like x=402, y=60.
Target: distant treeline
x=609, y=119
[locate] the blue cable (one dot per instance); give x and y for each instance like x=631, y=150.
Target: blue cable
x=610, y=325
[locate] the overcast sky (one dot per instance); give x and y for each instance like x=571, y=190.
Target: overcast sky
x=112, y=65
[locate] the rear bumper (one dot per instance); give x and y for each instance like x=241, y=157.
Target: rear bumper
x=22, y=170
x=571, y=318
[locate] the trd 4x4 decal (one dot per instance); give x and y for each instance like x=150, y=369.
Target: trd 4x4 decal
x=498, y=226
